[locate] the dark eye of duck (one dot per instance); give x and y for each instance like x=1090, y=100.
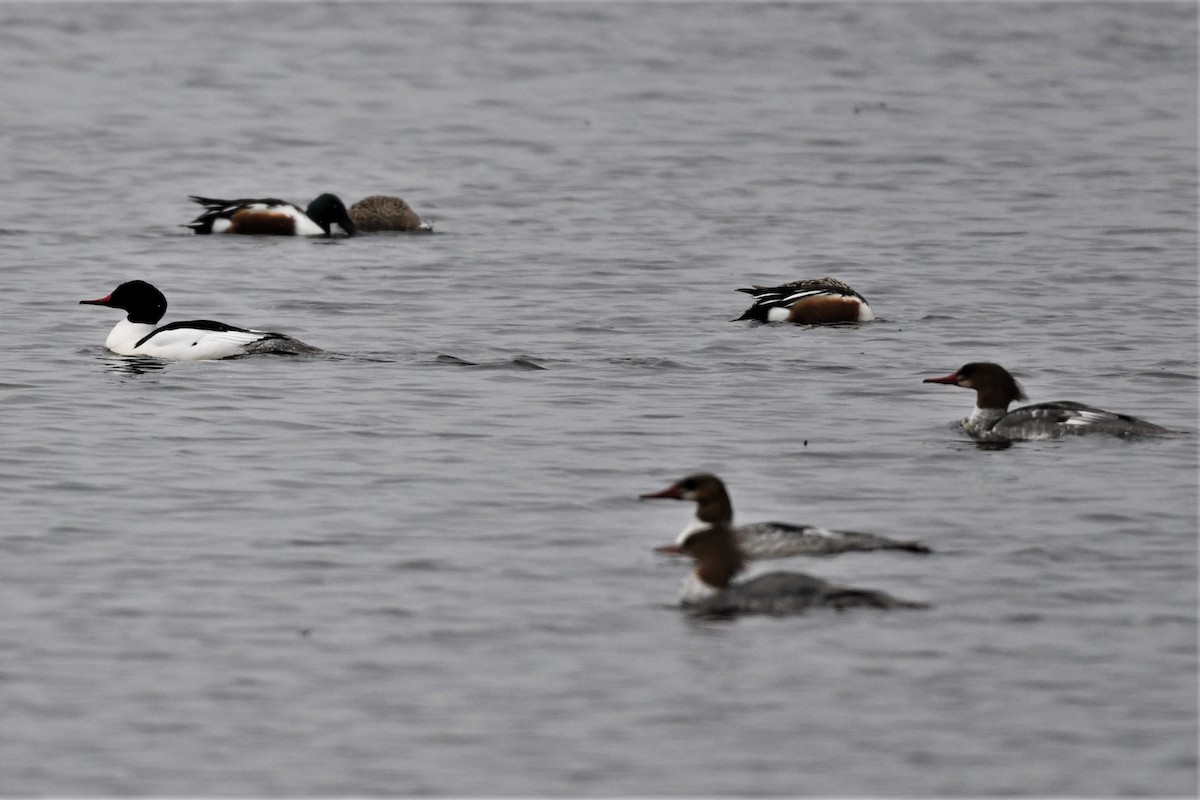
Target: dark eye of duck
x=689, y=484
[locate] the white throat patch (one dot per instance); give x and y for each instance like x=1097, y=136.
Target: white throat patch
x=696, y=524
x=982, y=419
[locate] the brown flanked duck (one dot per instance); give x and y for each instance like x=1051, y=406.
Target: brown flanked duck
x=815, y=301
x=381, y=212
x=272, y=217
x=991, y=420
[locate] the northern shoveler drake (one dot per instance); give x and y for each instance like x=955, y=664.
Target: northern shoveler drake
x=272, y=217
x=381, y=212
x=991, y=420
x=815, y=301
x=139, y=333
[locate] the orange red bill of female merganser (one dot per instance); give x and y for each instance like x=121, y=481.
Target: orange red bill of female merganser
x=711, y=591
x=995, y=388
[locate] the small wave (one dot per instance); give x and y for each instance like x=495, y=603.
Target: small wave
x=514, y=363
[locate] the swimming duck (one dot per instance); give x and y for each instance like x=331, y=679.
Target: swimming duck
x=814, y=301
x=139, y=333
x=991, y=420
x=770, y=539
x=381, y=212
x=272, y=217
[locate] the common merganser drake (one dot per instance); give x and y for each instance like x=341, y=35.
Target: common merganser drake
x=381, y=212
x=272, y=217
x=991, y=420
x=139, y=334
x=768, y=539
x=710, y=590
x=815, y=301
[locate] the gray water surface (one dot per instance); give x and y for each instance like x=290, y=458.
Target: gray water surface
x=382, y=571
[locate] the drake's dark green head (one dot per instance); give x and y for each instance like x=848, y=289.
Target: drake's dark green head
x=327, y=210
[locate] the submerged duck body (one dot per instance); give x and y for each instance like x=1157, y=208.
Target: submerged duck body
x=759, y=540
x=381, y=212
x=140, y=334
x=995, y=388
x=272, y=217
x=775, y=593
x=711, y=591
x=814, y=301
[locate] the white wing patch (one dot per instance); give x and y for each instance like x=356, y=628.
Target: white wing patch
x=822, y=532
x=794, y=296
x=1090, y=418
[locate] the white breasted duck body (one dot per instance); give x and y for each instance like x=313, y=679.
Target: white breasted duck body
x=995, y=388
x=814, y=301
x=759, y=540
x=272, y=217
x=140, y=334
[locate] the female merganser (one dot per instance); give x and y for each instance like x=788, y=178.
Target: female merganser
x=710, y=590
x=272, y=217
x=769, y=539
x=991, y=420
x=139, y=334
x=815, y=301
x=381, y=212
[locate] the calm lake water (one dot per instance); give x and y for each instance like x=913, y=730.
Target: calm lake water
x=384, y=571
